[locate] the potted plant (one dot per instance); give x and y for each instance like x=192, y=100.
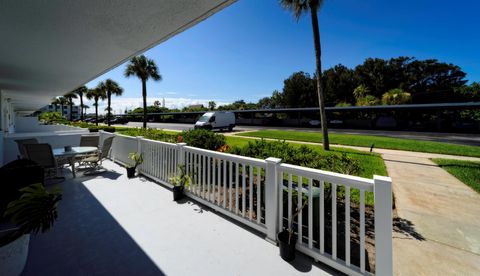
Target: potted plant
x=287, y=239
x=179, y=182
x=137, y=159
x=34, y=211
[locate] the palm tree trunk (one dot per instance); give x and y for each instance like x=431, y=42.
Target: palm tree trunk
x=144, y=95
x=321, y=97
x=96, y=112
x=71, y=109
x=61, y=110
x=81, y=107
x=109, y=96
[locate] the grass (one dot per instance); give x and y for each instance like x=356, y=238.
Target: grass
x=367, y=141
x=466, y=171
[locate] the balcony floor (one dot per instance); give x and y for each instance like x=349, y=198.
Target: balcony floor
x=111, y=225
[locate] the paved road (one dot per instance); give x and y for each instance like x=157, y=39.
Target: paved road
x=457, y=138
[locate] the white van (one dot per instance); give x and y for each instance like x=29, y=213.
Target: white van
x=216, y=120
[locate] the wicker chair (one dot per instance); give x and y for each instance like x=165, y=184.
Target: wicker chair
x=95, y=162
x=21, y=148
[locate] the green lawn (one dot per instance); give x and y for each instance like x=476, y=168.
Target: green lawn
x=366, y=141
x=466, y=171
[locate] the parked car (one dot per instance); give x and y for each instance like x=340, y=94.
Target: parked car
x=119, y=120
x=216, y=120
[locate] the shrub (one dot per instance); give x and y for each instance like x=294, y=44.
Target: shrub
x=52, y=118
x=104, y=128
x=202, y=138
x=299, y=155
x=396, y=96
x=368, y=100
x=150, y=133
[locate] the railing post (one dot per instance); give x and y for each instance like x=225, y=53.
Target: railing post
x=383, y=225
x=180, y=155
x=139, y=149
x=271, y=198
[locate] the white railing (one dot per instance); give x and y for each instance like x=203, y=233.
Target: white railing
x=322, y=211
x=265, y=194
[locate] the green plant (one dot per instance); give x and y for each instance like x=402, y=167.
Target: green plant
x=150, y=133
x=202, y=138
x=298, y=155
x=51, y=118
x=396, y=96
x=183, y=178
x=34, y=211
x=137, y=158
x=367, y=100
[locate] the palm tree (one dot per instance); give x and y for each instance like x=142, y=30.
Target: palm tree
x=62, y=101
x=82, y=90
x=111, y=88
x=55, y=103
x=96, y=94
x=69, y=97
x=299, y=7
x=144, y=69
x=84, y=109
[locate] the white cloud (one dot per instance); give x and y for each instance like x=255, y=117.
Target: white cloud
x=119, y=104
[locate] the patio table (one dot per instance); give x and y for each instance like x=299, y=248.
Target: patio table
x=60, y=153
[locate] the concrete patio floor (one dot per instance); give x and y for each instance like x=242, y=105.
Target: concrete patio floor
x=111, y=225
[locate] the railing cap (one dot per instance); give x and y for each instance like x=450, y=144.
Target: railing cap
x=379, y=178
x=181, y=144
x=273, y=160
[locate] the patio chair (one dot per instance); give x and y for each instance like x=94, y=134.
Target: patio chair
x=21, y=148
x=42, y=154
x=89, y=140
x=95, y=162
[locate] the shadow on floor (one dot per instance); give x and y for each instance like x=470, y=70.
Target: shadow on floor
x=407, y=228
x=86, y=240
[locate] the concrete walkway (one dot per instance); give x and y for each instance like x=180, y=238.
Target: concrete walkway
x=437, y=229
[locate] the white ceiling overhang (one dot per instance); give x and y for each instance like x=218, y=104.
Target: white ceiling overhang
x=50, y=47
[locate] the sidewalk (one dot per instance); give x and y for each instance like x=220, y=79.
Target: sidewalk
x=437, y=229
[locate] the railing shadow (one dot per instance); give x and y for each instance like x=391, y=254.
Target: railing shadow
x=86, y=240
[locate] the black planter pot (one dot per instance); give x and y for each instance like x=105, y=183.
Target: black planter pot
x=130, y=172
x=287, y=250
x=177, y=193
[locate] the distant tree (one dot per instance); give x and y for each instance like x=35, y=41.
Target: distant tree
x=62, y=101
x=299, y=90
x=69, y=97
x=96, y=94
x=264, y=103
x=55, y=103
x=212, y=105
x=299, y=7
x=144, y=69
x=156, y=103
x=110, y=87
x=396, y=96
x=468, y=93
x=339, y=83
x=81, y=91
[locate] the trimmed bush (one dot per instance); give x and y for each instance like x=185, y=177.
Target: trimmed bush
x=299, y=155
x=150, y=133
x=202, y=138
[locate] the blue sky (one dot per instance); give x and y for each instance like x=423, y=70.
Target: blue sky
x=246, y=50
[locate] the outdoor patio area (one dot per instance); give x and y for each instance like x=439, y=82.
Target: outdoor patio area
x=111, y=225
